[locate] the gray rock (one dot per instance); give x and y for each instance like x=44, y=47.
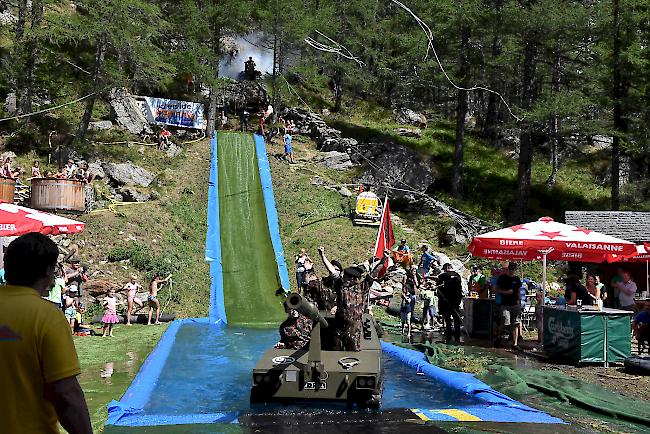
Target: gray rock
x=128, y=173
x=132, y=194
x=100, y=125
x=409, y=132
x=345, y=192
x=458, y=265
x=97, y=170
x=335, y=160
x=127, y=113
x=409, y=117
x=7, y=18
x=238, y=94
x=394, y=164
x=317, y=180
x=118, y=197
x=173, y=150
x=454, y=236
x=602, y=142
x=11, y=106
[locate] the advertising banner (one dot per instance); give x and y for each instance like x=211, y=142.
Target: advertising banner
x=183, y=114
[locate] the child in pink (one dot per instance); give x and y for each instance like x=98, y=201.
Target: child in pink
x=110, y=313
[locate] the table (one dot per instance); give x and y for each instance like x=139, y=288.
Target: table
x=479, y=314
x=587, y=335
x=640, y=303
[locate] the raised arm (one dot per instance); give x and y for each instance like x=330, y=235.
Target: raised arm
x=326, y=262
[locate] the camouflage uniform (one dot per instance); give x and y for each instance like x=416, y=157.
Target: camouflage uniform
x=295, y=333
x=351, y=304
x=323, y=297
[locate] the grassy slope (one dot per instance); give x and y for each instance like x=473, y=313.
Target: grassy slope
x=172, y=228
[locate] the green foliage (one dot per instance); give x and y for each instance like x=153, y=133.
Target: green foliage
x=141, y=257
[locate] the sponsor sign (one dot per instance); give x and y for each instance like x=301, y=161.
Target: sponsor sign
x=311, y=385
x=561, y=333
x=183, y=114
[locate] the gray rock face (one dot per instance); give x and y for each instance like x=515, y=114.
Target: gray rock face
x=238, y=94
x=172, y=150
x=11, y=106
x=409, y=117
x=409, y=132
x=132, y=194
x=335, y=160
x=127, y=173
x=100, y=125
x=7, y=18
x=394, y=164
x=345, y=192
x=97, y=170
x=454, y=236
x=127, y=113
x=311, y=124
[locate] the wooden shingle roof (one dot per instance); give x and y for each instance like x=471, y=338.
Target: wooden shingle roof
x=630, y=226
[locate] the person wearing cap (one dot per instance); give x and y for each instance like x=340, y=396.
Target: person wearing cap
x=508, y=287
x=295, y=331
x=351, y=301
x=450, y=295
x=403, y=247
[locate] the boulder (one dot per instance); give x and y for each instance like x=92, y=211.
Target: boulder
x=345, y=192
x=8, y=154
x=172, y=150
x=335, y=160
x=393, y=165
x=238, y=94
x=100, y=125
x=409, y=117
x=409, y=132
x=128, y=173
x=454, y=236
x=96, y=170
x=11, y=106
x=132, y=194
x=127, y=113
x=7, y=18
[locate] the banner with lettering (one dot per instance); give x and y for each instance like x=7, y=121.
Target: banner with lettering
x=183, y=114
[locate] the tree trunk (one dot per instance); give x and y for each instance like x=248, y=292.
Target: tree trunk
x=24, y=95
x=461, y=112
x=620, y=125
x=211, y=121
x=524, y=168
x=337, y=81
x=555, y=122
x=492, y=115
x=96, y=76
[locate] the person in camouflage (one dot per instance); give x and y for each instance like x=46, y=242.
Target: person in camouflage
x=320, y=292
x=352, y=289
x=295, y=331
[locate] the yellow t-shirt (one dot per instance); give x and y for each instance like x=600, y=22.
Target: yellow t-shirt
x=36, y=348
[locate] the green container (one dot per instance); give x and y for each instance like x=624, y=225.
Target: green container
x=587, y=336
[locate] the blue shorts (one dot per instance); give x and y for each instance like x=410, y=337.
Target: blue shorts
x=288, y=149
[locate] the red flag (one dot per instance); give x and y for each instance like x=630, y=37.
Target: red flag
x=385, y=237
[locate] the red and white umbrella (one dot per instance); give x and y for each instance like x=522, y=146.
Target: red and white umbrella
x=17, y=220
x=547, y=239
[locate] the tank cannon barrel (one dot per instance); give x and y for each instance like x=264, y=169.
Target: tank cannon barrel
x=297, y=302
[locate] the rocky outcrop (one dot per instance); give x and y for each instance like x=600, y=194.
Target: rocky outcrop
x=100, y=125
x=128, y=173
x=239, y=94
x=397, y=166
x=335, y=160
x=127, y=113
x=409, y=117
x=327, y=138
x=409, y=132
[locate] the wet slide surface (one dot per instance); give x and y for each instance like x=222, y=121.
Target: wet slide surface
x=250, y=272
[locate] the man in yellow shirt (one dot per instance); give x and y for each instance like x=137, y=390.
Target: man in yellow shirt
x=38, y=360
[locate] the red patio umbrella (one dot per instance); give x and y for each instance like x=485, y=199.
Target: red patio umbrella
x=17, y=220
x=547, y=239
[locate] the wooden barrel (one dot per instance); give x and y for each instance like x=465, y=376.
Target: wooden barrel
x=7, y=189
x=52, y=194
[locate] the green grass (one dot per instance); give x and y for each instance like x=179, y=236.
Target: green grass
x=126, y=352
